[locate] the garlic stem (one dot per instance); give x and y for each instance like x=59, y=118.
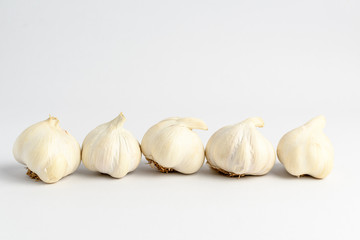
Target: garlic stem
x=193, y=123
x=256, y=121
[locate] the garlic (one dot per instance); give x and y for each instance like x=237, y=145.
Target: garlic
x=48, y=151
x=111, y=149
x=307, y=150
x=240, y=149
x=170, y=145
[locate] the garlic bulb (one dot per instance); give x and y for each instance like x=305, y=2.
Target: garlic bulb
x=48, y=151
x=240, y=149
x=307, y=150
x=111, y=149
x=170, y=145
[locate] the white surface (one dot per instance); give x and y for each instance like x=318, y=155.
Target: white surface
x=221, y=61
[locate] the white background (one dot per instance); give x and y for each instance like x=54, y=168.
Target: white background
x=222, y=61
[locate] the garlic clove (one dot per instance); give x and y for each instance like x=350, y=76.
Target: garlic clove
x=306, y=150
x=49, y=152
x=171, y=145
x=111, y=149
x=240, y=149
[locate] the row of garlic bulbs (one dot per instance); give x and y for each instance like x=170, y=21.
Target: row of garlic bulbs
x=51, y=153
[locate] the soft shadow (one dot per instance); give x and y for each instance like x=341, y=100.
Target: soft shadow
x=208, y=172
x=86, y=173
x=144, y=169
x=16, y=174
x=279, y=171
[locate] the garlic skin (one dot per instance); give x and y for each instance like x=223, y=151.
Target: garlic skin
x=240, y=149
x=171, y=145
x=306, y=150
x=111, y=149
x=47, y=150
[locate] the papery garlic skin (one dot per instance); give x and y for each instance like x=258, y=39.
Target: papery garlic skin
x=111, y=149
x=307, y=150
x=47, y=150
x=240, y=149
x=171, y=145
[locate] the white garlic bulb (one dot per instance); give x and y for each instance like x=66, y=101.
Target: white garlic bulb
x=111, y=149
x=240, y=149
x=48, y=151
x=307, y=150
x=170, y=145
